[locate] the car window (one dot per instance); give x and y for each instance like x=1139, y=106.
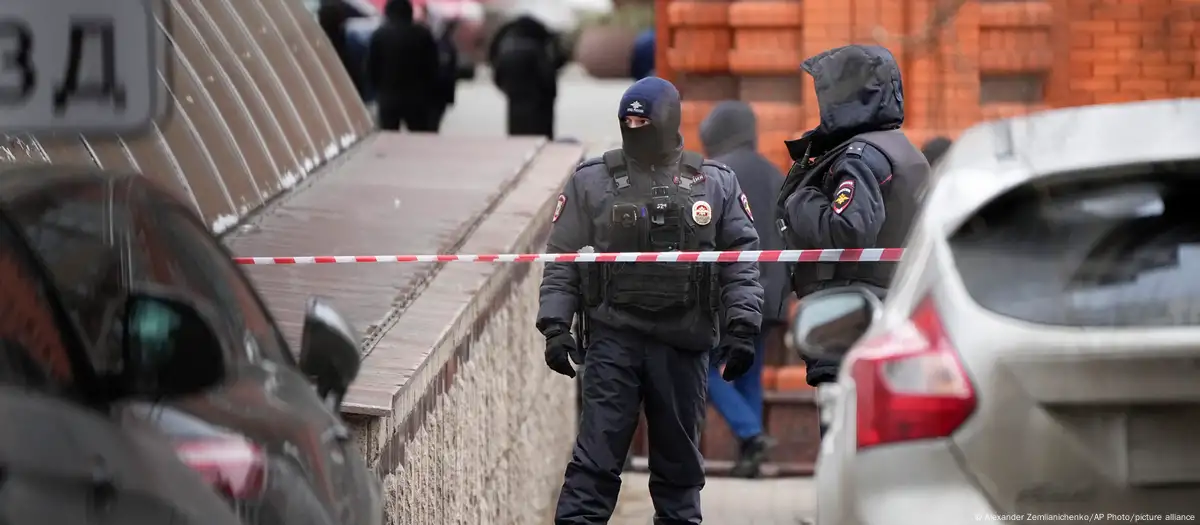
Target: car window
x=70, y=228
x=199, y=264
x=33, y=350
x=1110, y=251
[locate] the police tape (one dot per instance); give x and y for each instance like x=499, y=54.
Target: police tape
x=793, y=256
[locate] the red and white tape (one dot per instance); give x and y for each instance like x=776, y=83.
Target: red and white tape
x=855, y=255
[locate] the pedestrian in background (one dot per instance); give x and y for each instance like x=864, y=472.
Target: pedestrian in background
x=448, y=69
x=403, y=69
x=855, y=180
x=649, y=328
x=730, y=136
x=641, y=63
x=332, y=16
x=526, y=58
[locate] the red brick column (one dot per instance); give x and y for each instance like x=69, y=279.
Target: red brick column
x=827, y=24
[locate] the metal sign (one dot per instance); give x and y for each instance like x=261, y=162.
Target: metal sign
x=80, y=66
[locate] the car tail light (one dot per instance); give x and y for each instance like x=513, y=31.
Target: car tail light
x=910, y=383
x=235, y=467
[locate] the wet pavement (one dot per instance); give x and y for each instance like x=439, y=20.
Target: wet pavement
x=586, y=110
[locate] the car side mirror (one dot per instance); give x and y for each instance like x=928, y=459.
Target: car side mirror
x=169, y=349
x=828, y=323
x=329, y=351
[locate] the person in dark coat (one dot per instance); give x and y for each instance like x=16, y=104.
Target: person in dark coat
x=448, y=69
x=332, y=16
x=856, y=180
x=404, y=70
x=526, y=58
x=730, y=136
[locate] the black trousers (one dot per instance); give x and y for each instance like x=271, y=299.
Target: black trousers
x=624, y=373
x=417, y=118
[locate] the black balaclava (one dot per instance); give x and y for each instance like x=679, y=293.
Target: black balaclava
x=658, y=142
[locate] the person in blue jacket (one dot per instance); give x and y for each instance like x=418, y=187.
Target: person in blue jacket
x=642, y=62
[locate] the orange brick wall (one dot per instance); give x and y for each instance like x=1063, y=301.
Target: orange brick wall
x=962, y=61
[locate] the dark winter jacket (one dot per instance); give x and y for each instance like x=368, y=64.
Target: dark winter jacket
x=526, y=58
x=730, y=136
x=402, y=61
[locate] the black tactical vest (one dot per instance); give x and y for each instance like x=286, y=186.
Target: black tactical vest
x=651, y=215
x=910, y=172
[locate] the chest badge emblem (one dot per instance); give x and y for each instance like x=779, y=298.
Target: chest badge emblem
x=701, y=213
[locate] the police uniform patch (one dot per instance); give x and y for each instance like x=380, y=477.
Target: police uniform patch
x=746, y=206
x=558, y=208
x=843, y=196
x=701, y=213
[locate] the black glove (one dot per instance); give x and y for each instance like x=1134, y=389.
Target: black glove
x=737, y=349
x=560, y=344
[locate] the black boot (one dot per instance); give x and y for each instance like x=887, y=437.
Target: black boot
x=752, y=453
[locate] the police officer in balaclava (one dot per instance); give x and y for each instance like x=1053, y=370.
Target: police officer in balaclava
x=647, y=329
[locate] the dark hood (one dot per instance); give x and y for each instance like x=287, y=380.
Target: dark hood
x=399, y=11
x=731, y=126
x=858, y=90
x=659, y=143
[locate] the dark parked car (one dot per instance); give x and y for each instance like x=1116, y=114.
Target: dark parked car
x=63, y=460
x=268, y=437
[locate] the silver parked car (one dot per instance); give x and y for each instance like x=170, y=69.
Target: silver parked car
x=1038, y=356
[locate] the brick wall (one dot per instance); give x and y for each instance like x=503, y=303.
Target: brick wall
x=962, y=61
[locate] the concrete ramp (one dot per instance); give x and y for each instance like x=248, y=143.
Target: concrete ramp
x=393, y=194
x=454, y=408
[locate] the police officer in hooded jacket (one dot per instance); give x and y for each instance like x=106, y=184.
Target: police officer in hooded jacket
x=855, y=179
x=648, y=328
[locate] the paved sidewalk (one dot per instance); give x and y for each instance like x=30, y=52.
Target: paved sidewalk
x=727, y=501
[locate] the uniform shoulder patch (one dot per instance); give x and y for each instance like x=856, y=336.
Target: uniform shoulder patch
x=746, y=206
x=558, y=207
x=843, y=196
